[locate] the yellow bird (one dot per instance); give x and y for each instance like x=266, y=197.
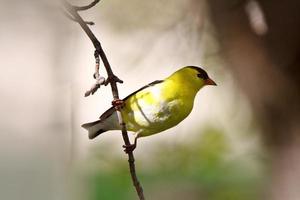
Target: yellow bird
x=155, y=107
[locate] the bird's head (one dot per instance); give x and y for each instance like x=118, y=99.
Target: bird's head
x=193, y=76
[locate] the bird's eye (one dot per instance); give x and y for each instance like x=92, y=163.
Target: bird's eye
x=200, y=76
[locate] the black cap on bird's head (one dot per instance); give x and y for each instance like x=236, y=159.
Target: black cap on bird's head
x=201, y=73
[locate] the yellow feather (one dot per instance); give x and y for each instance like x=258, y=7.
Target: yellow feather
x=156, y=107
x=163, y=105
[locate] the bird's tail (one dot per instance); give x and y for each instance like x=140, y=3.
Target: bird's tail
x=94, y=128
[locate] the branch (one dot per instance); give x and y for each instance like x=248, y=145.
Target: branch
x=73, y=19
x=100, y=80
x=81, y=8
x=112, y=79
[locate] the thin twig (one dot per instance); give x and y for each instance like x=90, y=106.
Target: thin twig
x=81, y=8
x=73, y=19
x=100, y=80
x=112, y=79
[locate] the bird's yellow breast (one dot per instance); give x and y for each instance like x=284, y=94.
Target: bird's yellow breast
x=157, y=108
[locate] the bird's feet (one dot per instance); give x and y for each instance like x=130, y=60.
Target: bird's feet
x=117, y=103
x=129, y=148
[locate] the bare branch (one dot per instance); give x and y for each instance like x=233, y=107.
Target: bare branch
x=89, y=23
x=73, y=19
x=81, y=8
x=112, y=79
x=100, y=80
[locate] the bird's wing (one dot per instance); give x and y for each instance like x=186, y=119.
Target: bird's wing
x=146, y=86
x=111, y=110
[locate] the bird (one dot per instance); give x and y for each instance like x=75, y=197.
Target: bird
x=154, y=108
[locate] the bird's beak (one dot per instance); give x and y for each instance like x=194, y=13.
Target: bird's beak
x=209, y=82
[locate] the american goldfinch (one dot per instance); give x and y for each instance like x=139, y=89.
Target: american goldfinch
x=155, y=107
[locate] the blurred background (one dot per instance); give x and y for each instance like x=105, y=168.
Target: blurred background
x=240, y=142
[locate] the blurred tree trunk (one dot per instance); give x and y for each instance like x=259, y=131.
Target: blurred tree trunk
x=266, y=67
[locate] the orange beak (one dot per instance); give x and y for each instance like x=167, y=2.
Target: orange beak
x=209, y=82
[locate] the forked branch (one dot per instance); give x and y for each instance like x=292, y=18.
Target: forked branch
x=73, y=19
x=112, y=80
